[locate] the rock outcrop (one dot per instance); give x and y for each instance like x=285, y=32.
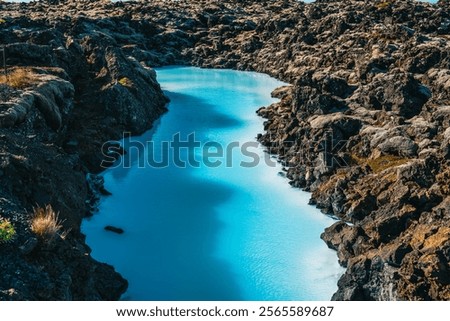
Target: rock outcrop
x=73, y=93
x=364, y=125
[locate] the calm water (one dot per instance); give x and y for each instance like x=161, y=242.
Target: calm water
x=203, y=233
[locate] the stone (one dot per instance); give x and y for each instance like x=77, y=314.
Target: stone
x=114, y=229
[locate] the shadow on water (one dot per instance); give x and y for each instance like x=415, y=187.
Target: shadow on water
x=119, y=173
x=199, y=233
x=200, y=114
x=170, y=217
x=189, y=109
x=181, y=232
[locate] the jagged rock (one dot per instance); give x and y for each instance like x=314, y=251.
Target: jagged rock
x=54, y=100
x=397, y=92
x=15, y=112
x=364, y=125
x=399, y=145
x=29, y=246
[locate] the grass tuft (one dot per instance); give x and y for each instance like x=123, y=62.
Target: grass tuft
x=19, y=78
x=381, y=163
x=124, y=81
x=383, y=5
x=7, y=231
x=384, y=162
x=46, y=224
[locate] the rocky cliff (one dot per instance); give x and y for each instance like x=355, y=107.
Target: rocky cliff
x=364, y=125
x=70, y=88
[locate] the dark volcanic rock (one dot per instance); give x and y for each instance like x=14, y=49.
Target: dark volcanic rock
x=364, y=125
x=114, y=229
x=81, y=90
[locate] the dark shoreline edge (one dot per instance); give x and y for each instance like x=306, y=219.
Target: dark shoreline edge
x=372, y=74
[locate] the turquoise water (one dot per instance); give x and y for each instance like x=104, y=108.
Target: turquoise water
x=229, y=232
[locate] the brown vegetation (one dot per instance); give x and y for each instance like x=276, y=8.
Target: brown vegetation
x=19, y=78
x=381, y=163
x=46, y=224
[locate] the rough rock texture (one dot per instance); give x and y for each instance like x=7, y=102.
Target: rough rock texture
x=84, y=90
x=364, y=125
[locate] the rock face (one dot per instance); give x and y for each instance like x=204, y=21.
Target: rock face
x=364, y=125
x=81, y=90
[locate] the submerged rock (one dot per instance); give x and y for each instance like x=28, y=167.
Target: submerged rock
x=114, y=229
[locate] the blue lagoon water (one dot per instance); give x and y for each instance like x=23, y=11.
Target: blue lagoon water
x=212, y=233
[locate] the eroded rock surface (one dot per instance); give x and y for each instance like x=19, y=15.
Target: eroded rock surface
x=364, y=125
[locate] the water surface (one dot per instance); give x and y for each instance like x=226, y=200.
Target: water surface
x=212, y=233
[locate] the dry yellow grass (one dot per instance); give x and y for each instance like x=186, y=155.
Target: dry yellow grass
x=126, y=82
x=390, y=177
x=381, y=163
x=384, y=162
x=383, y=5
x=46, y=224
x=19, y=78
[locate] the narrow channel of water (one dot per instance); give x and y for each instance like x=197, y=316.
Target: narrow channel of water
x=222, y=229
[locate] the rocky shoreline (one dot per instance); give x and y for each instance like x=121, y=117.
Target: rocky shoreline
x=364, y=125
